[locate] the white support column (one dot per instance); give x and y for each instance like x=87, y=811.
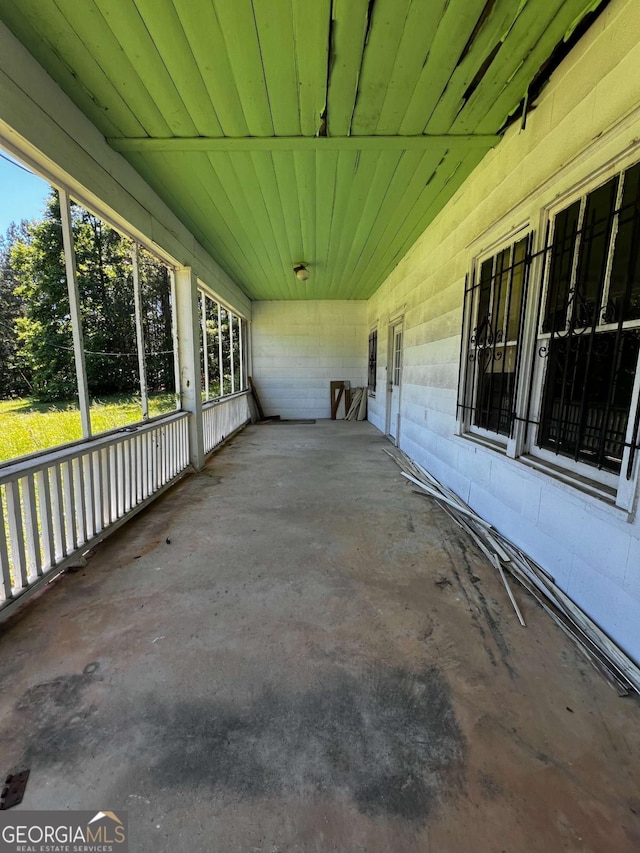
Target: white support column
x=76, y=318
x=220, y=365
x=205, y=344
x=174, y=336
x=137, y=303
x=188, y=323
x=241, y=326
x=231, y=359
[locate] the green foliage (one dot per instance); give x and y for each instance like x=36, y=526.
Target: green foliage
x=13, y=379
x=37, y=336
x=27, y=425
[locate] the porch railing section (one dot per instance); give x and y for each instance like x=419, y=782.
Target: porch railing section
x=55, y=504
x=222, y=417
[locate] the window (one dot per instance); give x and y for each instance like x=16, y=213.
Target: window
x=589, y=332
x=493, y=319
x=373, y=360
x=555, y=377
x=222, y=350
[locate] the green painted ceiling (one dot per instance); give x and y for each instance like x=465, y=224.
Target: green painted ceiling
x=329, y=132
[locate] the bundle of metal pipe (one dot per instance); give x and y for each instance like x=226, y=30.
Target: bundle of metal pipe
x=617, y=668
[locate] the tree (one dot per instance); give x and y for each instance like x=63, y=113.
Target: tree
x=14, y=380
x=45, y=342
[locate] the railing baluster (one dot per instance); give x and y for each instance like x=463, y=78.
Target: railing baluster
x=69, y=511
x=87, y=478
x=16, y=533
x=7, y=585
x=57, y=512
x=34, y=561
x=46, y=527
x=78, y=500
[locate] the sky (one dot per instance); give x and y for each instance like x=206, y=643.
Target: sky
x=22, y=195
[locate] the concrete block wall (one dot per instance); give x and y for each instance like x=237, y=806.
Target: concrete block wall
x=587, y=116
x=298, y=347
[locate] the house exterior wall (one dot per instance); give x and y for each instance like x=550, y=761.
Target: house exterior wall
x=587, y=117
x=40, y=124
x=298, y=347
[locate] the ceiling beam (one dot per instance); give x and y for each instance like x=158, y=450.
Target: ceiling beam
x=302, y=143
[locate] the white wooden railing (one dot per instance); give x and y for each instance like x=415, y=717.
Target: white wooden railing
x=222, y=417
x=54, y=504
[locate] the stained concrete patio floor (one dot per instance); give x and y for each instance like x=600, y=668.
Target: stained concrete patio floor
x=318, y=660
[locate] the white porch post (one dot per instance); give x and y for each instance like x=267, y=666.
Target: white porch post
x=188, y=323
x=137, y=301
x=74, y=308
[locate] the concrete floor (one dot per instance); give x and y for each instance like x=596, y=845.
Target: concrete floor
x=318, y=660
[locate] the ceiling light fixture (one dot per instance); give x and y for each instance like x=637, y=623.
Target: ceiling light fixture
x=302, y=273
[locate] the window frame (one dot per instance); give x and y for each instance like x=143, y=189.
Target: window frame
x=619, y=488
x=468, y=391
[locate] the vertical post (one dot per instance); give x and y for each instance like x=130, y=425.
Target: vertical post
x=74, y=307
x=137, y=304
x=205, y=344
x=174, y=336
x=220, y=364
x=231, y=358
x=241, y=327
x=188, y=323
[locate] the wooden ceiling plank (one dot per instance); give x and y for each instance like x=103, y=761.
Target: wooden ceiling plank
x=284, y=168
x=420, y=218
x=311, y=22
x=65, y=55
x=238, y=26
x=373, y=210
x=430, y=171
x=419, y=31
x=305, y=143
x=170, y=184
x=162, y=22
x=326, y=173
x=305, y=169
x=344, y=177
x=206, y=41
x=360, y=184
x=205, y=207
x=387, y=24
x=125, y=23
x=274, y=22
x=488, y=41
x=454, y=29
x=265, y=170
x=411, y=163
x=530, y=43
x=348, y=32
x=233, y=172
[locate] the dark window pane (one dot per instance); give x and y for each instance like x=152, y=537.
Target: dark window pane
x=624, y=290
x=373, y=360
x=517, y=284
x=500, y=293
x=564, y=238
x=588, y=387
x=594, y=249
x=494, y=402
x=482, y=328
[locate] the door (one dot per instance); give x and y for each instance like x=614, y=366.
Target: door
x=394, y=379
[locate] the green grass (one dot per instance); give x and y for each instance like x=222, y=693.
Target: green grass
x=27, y=426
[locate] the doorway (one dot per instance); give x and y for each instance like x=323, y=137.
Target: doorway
x=394, y=381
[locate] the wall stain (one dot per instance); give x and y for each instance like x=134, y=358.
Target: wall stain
x=388, y=737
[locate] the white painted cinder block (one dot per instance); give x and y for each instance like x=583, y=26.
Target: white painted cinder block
x=299, y=347
x=587, y=115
